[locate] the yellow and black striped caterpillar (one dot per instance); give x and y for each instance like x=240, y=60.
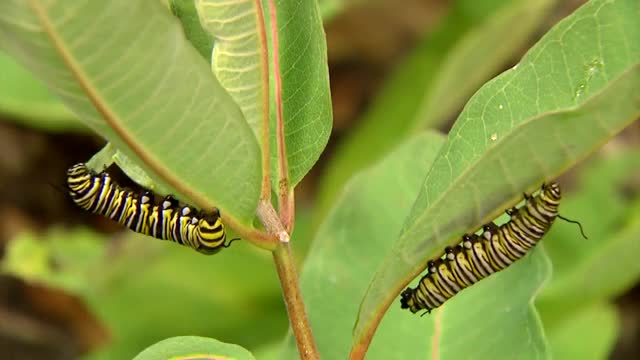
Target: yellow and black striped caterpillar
x=98, y=193
x=479, y=256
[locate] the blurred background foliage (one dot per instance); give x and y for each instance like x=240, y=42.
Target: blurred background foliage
x=74, y=285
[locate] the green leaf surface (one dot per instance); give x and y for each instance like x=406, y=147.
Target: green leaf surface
x=571, y=92
x=127, y=70
x=304, y=75
x=472, y=43
x=589, y=334
x=353, y=240
x=193, y=348
x=30, y=102
x=185, y=10
x=237, y=59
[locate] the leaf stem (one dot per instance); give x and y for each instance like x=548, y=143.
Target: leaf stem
x=293, y=299
x=287, y=207
x=288, y=276
x=285, y=192
x=265, y=193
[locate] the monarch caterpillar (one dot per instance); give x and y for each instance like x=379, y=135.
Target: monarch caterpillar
x=98, y=193
x=479, y=256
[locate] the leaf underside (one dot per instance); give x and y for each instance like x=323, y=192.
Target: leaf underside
x=128, y=72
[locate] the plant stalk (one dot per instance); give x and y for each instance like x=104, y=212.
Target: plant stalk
x=285, y=265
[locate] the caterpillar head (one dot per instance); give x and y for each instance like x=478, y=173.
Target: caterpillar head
x=210, y=232
x=77, y=170
x=209, y=218
x=406, y=300
x=552, y=190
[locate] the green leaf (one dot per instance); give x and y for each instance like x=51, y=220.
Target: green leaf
x=30, y=102
x=238, y=54
x=128, y=71
x=192, y=348
x=588, y=334
x=185, y=10
x=303, y=72
x=435, y=81
x=353, y=240
x=566, y=97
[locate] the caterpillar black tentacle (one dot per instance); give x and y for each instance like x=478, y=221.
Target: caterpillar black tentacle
x=574, y=222
x=479, y=256
x=98, y=193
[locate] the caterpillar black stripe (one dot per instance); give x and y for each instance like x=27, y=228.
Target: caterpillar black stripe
x=479, y=256
x=98, y=193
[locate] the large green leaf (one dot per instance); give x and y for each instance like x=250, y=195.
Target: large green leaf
x=353, y=240
x=435, y=81
x=237, y=59
x=126, y=69
x=193, y=347
x=572, y=92
x=303, y=73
